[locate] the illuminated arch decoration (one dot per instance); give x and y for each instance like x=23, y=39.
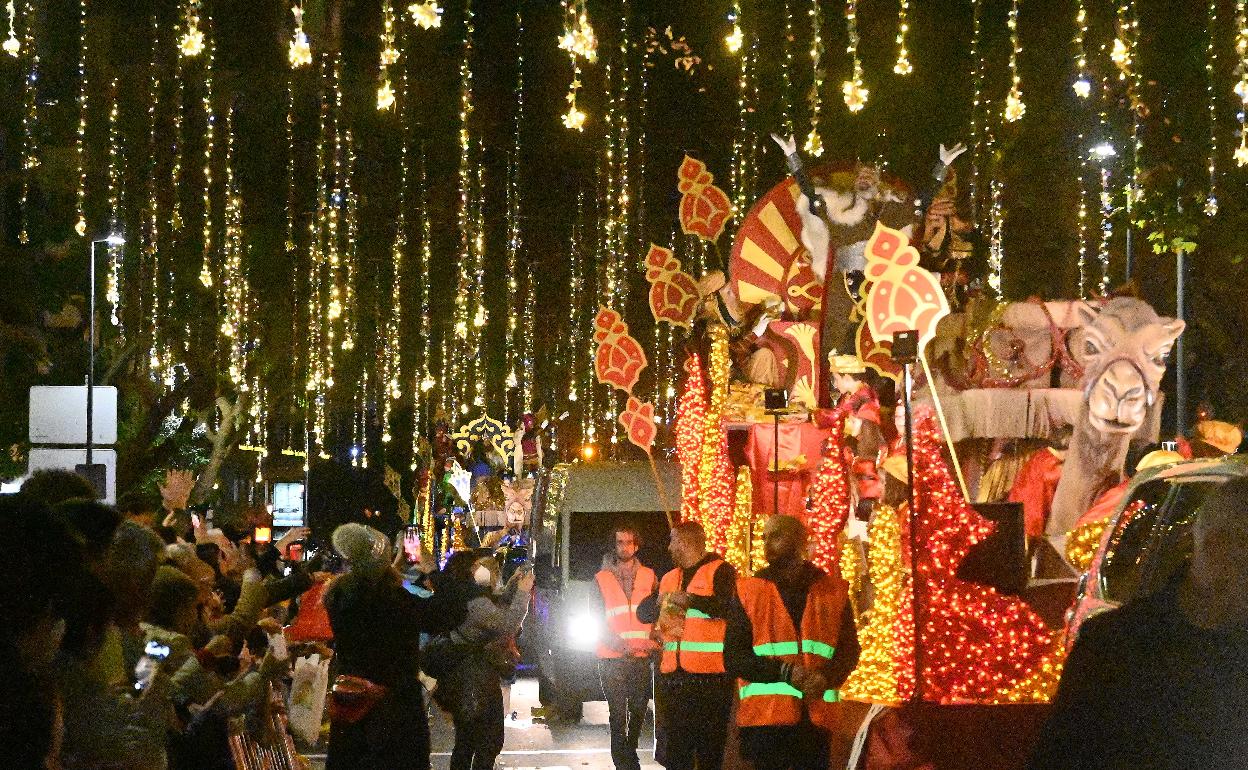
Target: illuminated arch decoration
x=487, y=429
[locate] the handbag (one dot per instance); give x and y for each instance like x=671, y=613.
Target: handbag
x=352, y=698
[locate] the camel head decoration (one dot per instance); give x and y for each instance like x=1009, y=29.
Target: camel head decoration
x=1124, y=350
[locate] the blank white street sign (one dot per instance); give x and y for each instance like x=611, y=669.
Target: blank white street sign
x=58, y=415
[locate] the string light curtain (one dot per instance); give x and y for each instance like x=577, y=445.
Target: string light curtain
x=580, y=43
x=392, y=341
x=80, y=197
x=903, y=65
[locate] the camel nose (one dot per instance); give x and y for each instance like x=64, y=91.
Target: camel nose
x=1126, y=389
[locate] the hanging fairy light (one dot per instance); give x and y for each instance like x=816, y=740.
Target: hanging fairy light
x=1102, y=153
x=389, y=56
x=1082, y=85
x=977, y=105
x=903, y=65
x=743, y=145
x=736, y=38
x=786, y=72
x=11, y=44
x=512, y=354
x=192, y=42
x=1241, y=86
x=299, y=52
x=814, y=144
x=996, y=227
x=578, y=37
x=80, y=223
x=392, y=350
x=205, y=272
x=112, y=290
x=854, y=91
x=1014, y=106
x=579, y=41
x=30, y=122
x=426, y=15
x=1083, y=222
x=1211, y=58
x=234, y=290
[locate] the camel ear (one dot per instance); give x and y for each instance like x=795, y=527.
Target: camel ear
x=1173, y=327
x=1086, y=312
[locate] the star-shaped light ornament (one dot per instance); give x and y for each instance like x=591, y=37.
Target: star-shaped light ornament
x=580, y=40
x=192, y=43
x=814, y=144
x=426, y=15
x=12, y=45
x=855, y=95
x=735, y=39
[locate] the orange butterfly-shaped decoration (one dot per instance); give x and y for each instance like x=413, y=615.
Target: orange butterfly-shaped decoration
x=638, y=419
x=673, y=292
x=704, y=208
x=619, y=359
x=902, y=295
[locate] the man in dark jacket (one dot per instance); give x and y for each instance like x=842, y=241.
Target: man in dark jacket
x=1161, y=682
x=791, y=640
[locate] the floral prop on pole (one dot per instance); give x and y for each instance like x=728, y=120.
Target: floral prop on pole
x=673, y=292
x=638, y=419
x=620, y=358
x=901, y=296
x=704, y=208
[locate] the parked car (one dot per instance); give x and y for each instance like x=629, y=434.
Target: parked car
x=578, y=509
x=1150, y=536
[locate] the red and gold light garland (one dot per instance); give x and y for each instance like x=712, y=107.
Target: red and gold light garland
x=690, y=420
x=829, y=503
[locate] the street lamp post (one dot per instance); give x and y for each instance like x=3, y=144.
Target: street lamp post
x=112, y=240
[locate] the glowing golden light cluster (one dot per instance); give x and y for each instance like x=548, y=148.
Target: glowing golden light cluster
x=1082, y=85
x=80, y=199
x=12, y=46
x=853, y=90
x=886, y=632
x=1211, y=59
x=738, y=540
x=579, y=41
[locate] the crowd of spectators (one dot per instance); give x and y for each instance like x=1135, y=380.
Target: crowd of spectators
x=136, y=637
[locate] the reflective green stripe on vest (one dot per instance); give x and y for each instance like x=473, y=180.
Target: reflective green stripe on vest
x=776, y=649
x=623, y=609
x=634, y=634
x=694, y=646
x=752, y=689
x=697, y=614
x=817, y=648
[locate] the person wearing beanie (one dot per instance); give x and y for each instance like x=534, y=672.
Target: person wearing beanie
x=377, y=626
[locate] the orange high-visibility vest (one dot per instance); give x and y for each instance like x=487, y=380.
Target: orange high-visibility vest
x=622, y=612
x=699, y=647
x=778, y=703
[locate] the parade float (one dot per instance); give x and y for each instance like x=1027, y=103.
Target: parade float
x=1031, y=403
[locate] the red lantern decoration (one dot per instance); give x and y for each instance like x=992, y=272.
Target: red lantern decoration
x=704, y=208
x=620, y=358
x=673, y=293
x=638, y=419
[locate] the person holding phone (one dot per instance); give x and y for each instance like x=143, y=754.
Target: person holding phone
x=482, y=649
x=377, y=709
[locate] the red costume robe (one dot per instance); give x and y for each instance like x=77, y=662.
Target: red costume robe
x=1034, y=487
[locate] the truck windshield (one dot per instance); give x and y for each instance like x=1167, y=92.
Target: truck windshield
x=1145, y=552
x=590, y=537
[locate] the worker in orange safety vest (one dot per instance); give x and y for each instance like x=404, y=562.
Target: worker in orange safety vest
x=790, y=642
x=693, y=697
x=625, y=647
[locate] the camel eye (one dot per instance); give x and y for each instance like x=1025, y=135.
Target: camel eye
x=1090, y=348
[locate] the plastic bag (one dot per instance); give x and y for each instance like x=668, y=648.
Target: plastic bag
x=307, y=697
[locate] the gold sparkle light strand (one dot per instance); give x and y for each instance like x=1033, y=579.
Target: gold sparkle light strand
x=1015, y=108
x=903, y=65
x=80, y=198
x=814, y=143
x=853, y=90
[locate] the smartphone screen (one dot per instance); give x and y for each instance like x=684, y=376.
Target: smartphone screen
x=262, y=535
x=411, y=543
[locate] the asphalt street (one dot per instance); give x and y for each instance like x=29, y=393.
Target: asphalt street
x=535, y=745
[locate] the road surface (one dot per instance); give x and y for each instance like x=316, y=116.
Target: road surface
x=538, y=746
